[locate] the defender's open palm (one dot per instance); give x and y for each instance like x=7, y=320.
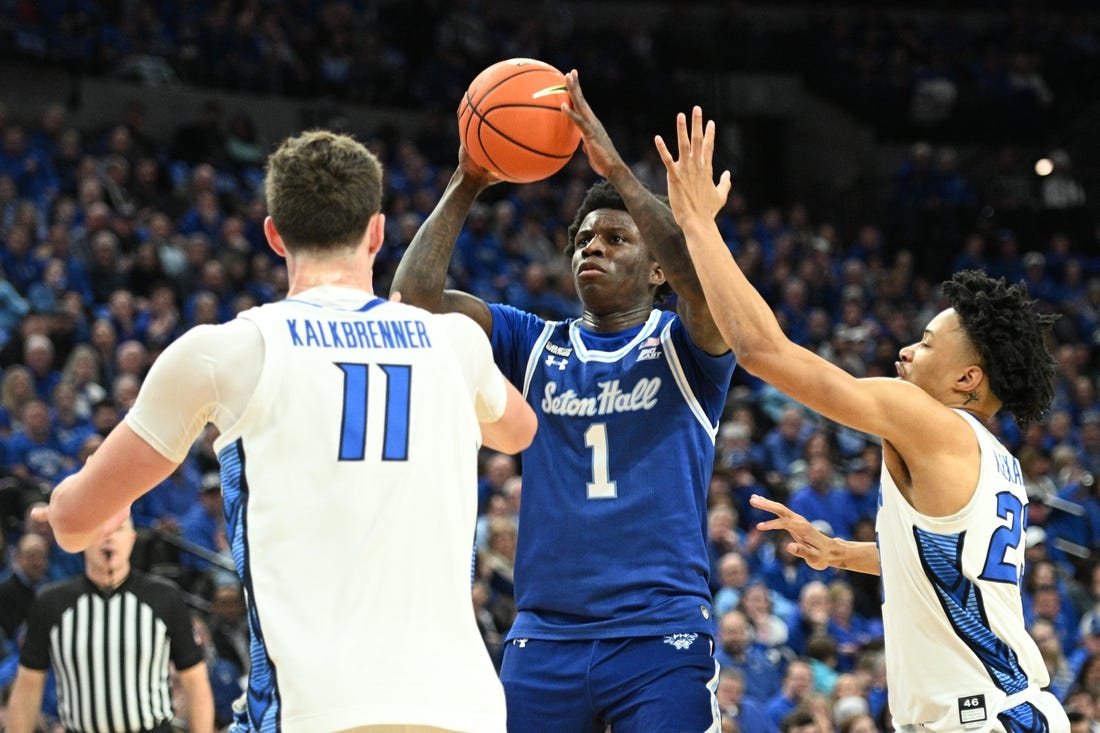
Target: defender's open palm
x=691, y=188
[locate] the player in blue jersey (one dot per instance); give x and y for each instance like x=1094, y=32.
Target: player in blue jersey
x=614, y=612
x=952, y=509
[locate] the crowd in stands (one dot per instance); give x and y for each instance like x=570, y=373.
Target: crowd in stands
x=915, y=70
x=114, y=242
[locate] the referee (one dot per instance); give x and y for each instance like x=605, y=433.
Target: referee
x=109, y=636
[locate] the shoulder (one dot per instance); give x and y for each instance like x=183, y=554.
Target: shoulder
x=154, y=586
x=60, y=592
x=200, y=344
x=243, y=327
x=457, y=324
x=510, y=314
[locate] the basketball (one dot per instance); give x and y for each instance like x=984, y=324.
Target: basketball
x=511, y=123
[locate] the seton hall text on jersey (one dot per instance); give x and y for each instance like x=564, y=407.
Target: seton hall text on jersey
x=364, y=334
x=610, y=399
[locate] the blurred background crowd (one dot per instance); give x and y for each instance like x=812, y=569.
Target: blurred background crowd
x=116, y=237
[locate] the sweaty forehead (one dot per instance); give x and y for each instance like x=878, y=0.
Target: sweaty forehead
x=608, y=219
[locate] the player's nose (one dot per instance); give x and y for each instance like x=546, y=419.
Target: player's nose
x=595, y=245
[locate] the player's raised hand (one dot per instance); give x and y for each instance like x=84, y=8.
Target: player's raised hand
x=472, y=170
x=691, y=188
x=601, y=152
x=809, y=543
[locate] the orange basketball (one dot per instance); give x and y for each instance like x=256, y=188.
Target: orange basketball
x=511, y=123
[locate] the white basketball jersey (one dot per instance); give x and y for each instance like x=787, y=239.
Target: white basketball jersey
x=956, y=644
x=352, y=523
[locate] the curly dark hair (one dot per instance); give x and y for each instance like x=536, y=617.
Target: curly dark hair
x=1009, y=335
x=602, y=195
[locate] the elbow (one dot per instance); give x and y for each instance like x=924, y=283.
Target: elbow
x=71, y=529
x=516, y=437
x=527, y=432
x=412, y=293
x=757, y=357
x=68, y=531
x=520, y=438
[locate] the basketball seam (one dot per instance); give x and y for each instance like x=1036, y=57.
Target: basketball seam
x=470, y=103
x=521, y=72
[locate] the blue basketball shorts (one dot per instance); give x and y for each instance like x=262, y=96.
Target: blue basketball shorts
x=658, y=684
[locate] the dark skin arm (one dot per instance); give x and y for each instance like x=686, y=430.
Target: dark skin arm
x=654, y=220
x=422, y=272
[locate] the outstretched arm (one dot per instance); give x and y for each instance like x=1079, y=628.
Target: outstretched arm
x=653, y=218
x=815, y=548
x=889, y=408
x=422, y=273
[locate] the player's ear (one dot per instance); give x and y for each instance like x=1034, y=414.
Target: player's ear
x=656, y=275
x=972, y=377
x=376, y=232
x=274, y=240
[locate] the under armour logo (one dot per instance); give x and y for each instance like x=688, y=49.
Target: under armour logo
x=559, y=363
x=681, y=641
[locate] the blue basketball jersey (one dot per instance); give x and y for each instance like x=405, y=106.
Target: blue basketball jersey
x=612, y=538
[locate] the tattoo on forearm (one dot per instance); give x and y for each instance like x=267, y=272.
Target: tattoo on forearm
x=429, y=253
x=656, y=223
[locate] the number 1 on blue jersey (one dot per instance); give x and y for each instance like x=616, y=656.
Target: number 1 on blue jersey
x=601, y=486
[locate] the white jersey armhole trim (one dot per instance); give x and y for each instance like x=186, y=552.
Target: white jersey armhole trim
x=677, y=369
x=536, y=354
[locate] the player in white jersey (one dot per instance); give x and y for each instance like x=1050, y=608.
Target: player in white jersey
x=953, y=509
x=349, y=434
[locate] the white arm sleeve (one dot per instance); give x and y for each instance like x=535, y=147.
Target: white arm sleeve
x=206, y=376
x=475, y=356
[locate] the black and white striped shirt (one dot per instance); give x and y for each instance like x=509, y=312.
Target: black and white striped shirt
x=110, y=650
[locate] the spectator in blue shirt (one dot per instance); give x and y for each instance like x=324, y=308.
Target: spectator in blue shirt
x=62, y=564
x=785, y=575
x=20, y=263
x=817, y=501
x=783, y=444
x=851, y=631
x=1090, y=645
x=746, y=713
x=69, y=427
x=204, y=526
x=38, y=355
x=13, y=307
x=797, y=684
x=858, y=498
x=33, y=451
x=33, y=173
x=762, y=666
x=165, y=506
